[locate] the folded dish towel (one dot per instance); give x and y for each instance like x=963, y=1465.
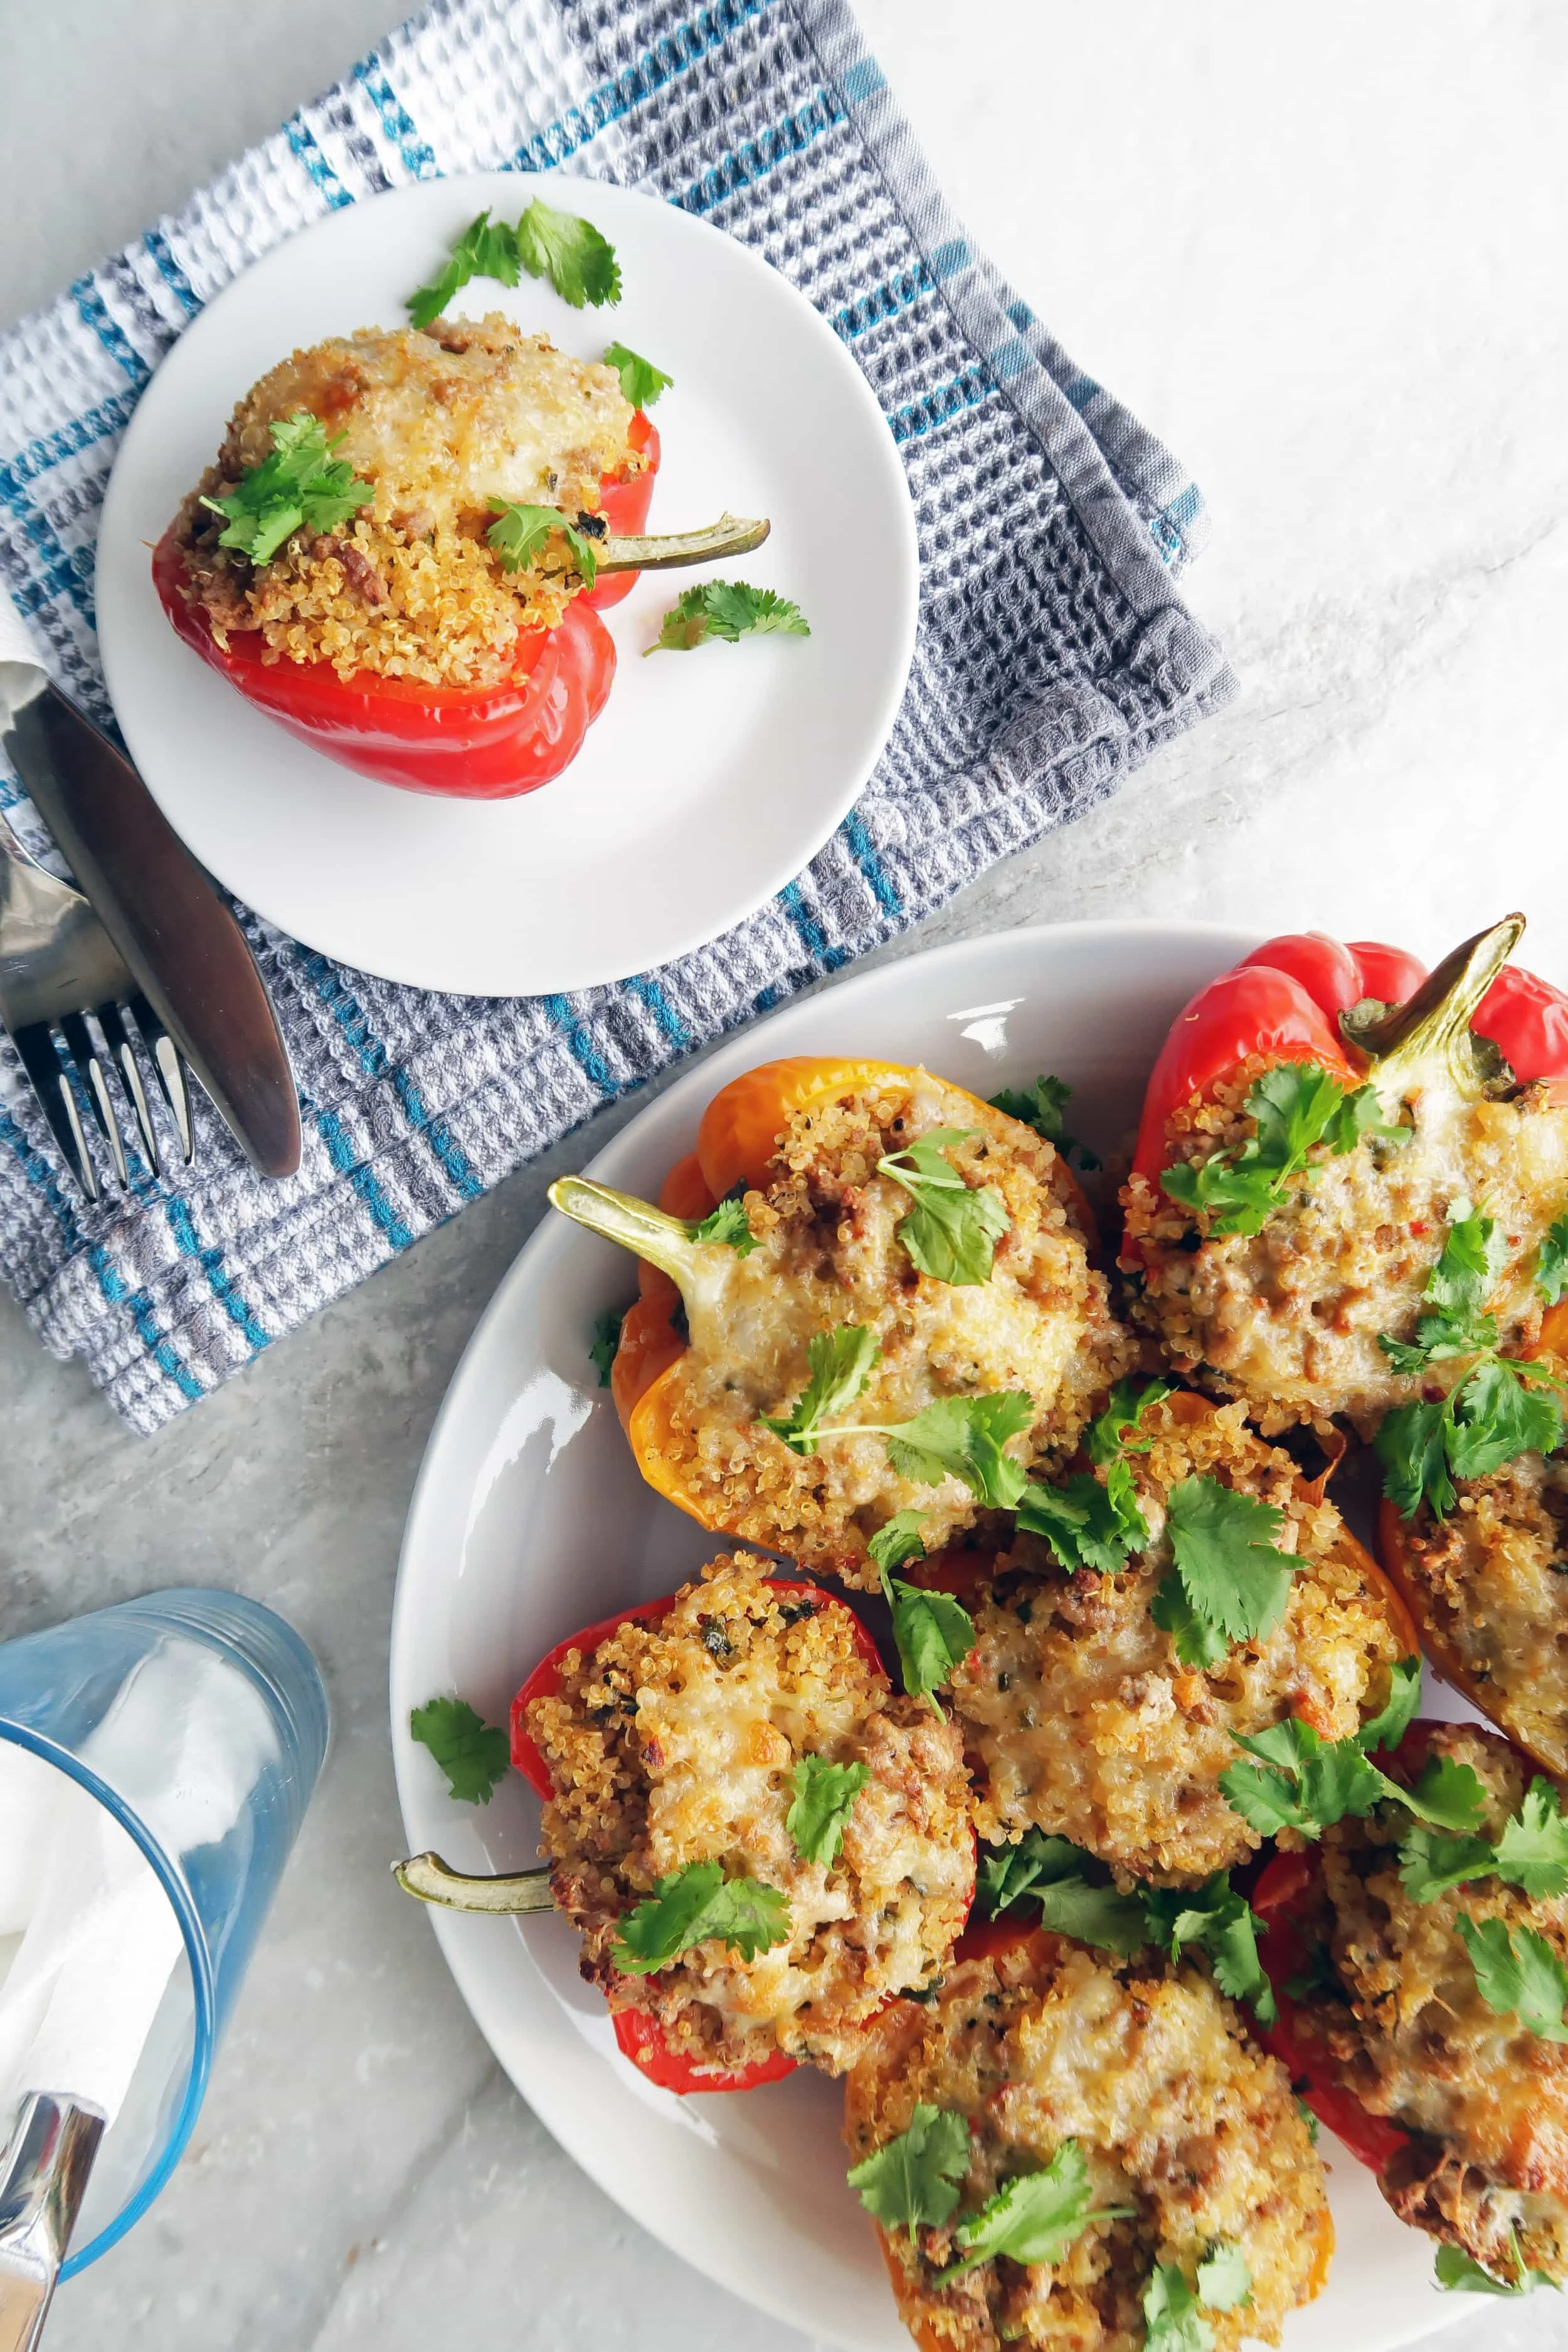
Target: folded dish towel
x=1050, y=659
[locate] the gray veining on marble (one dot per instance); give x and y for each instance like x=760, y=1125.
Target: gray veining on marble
x=1320, y=251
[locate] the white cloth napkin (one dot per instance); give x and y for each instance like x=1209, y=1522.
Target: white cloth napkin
x=93, y=1938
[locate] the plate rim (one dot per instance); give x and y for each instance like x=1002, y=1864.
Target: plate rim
x=904, y=581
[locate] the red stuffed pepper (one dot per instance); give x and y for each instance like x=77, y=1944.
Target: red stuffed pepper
x=402, y=547
x=1446, y=2080
x=1319, y=1123
x=759, y=1841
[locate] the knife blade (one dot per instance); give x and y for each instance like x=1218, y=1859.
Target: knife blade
x=159, y=906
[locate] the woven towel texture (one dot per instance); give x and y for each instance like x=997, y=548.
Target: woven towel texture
x=1051, y=658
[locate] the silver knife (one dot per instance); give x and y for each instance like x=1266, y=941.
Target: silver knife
x=161, y=908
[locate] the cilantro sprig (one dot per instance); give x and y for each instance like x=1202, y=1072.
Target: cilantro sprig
x=933, y=1632
x=957, y=1437
x=472, y=1753
x=1033, y=2218
x=1295, y=1106
x=1531, y=1852
x=953, y=1228
x=1518, y=1973
x=725, y=610
x=1089, y=1522
x=1304, y=1782
x=839, y=1365
x=641, y=382
x=1490, y=1416
x=1040, y=1106
x=1229, y=1581
x=520, y=534
x=298, y=483
x=913, y=2182
x=1552, y=1262
x=825, y=1796
x=698, y=1904
x=728, y=1223
x=1454, y=2268
x=561, y=247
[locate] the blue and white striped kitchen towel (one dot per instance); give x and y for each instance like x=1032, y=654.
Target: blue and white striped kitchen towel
x=1051, y=658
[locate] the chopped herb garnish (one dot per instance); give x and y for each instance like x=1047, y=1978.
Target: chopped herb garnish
x=913, y=2182
x=472, y=1752
x=1087, y=1523
x=953, y=1228
x=1393, y=1719
x=934, y=1633
x=1455, y=1322
x=824, y=1796
x=486, y=248
x=1454, y=2268
x=1225, y=2282
x=1172, y=2319
x=561, y=247
x=1552, y=1262
x=1532, y=1851
x=1040, y=1106
x=1033, y=2218
x=300, y=484
x=1518, y=1973
x=840, y=1364
x=1223, y=1926
x=1295, y=1106
x=728, y=1223
x=727, y=611
x=697, y=1906
x=606, y=1340
x=897, y=1542
x=1231, y=1581
x=1308, y=1783
x=641, y=382
x=519, y=532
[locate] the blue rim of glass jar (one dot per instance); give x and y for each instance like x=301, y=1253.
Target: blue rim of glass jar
x=203, y=2033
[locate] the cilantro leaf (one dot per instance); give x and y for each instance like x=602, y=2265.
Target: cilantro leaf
x=1093, y=1915
x=897, y=1542
x=1306, y=1783
x=1172, y=2319
x=1033, y=2218
x=472, y=1752
x=1433, y=1863
x=912, y=2182
x=1231, y=1573
x=1532, y=1851
x=1040, y=1106
x=1454, y=2268
x=519, y=533
x=728, y=1223
x=606, y=1340
x=1388, y=1726
x=1454, y=1323
x=1294, y=1106
x=953, y=1230
x=933, y=1633
x=963, y=1437
x=298, y=484
x=1111, y=1433
x=1411, y=1445
x=824, y=1794
x=727, y=610
x=1197, y=1642
x=1225, y=2282
x=840, y=1364
x=1518, y=1973
x=486, y=248
x=1073, y=1892
x=1488, y=1420
x=641, y=382
x=1007, y=1875
x=1552, y=1262
x=1224, y=1927
x=569, y=251
x=696, y=1906
x=1447, y=1794
x=1085, y=1525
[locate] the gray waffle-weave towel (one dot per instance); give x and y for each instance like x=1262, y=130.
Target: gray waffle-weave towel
x=1048, y=661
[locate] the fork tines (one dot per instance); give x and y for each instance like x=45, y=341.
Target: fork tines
x=50, y=1051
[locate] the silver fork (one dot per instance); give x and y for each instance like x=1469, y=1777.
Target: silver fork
x=58, y=968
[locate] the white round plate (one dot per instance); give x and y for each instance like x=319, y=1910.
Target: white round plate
x=710, y=779
x=528, y=1520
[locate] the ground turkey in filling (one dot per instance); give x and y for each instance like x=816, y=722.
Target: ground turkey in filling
x=1488, y=1585
x=1179, y=2116
x=1079, y=1718
x=830, y=1255
x=438, y=421
x=1288, y=1319
x=678, y=1743
x=1411, y=2036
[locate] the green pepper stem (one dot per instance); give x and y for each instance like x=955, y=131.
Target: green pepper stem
x=1431, y=1032
x=729, y=536
x=431, y=1880
x=664, y=1241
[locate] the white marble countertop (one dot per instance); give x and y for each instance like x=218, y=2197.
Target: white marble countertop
x=1320, y=249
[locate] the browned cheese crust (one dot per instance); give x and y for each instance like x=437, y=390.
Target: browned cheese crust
x=437, y=420
x=1177, y=2112
x=830, y=1255
x=1080, y=1720
x=1410, y=2035
x=1490, y=1586
x=1288, y=1319
x=678, y=1743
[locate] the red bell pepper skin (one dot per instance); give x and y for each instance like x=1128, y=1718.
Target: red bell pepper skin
x=1281, y=1898
x=638, y=2036
x=469, y=742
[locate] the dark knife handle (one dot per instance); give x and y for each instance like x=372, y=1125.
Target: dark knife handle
x=166, y=917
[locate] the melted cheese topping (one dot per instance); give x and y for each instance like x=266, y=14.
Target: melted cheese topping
x=1290, y=1318
x=1080, y=1720
x=678, y=1744
x=830, y=1255
x=1178, y=2115
x=1412, y=2038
